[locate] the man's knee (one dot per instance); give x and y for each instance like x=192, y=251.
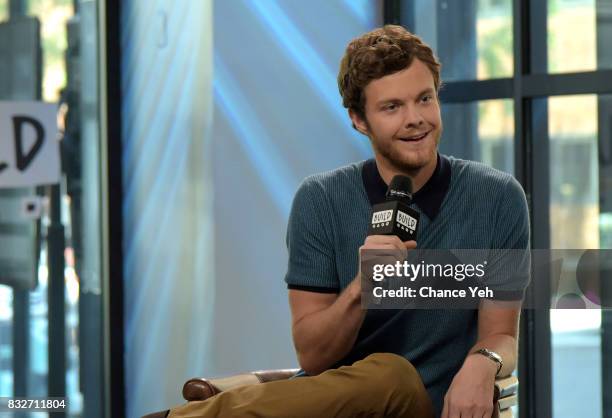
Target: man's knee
x=391, y=372
x=396, y=381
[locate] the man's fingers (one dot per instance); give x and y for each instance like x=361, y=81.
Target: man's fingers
x=384, y=249
x=410, y=245
x=381, y=250
x=445, y=409
x=376, y=241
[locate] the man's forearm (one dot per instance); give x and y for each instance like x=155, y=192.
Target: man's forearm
x=322, y=338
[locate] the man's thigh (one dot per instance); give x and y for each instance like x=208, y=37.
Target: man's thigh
x=380, y=385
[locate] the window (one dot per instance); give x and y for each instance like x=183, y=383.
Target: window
x=481, y=131
x=577, y=30
x=532, y=97
x=478, y=45
x=578, y=203
x=51, y=336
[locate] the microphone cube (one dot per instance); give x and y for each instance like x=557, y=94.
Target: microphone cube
x=394, y=218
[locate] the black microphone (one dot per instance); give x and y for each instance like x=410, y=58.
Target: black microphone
x=395, y=217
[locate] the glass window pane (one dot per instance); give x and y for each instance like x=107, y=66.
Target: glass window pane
x=6, y=339
x=53, y=16
x=481, y=131
x=3, y=10
x=66, y=75
x=578, y=35
x=580, y=211
x=472, y=38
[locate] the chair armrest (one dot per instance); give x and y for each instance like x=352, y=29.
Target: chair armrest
x=199, y=389
x=505, y=396
x=505, y=387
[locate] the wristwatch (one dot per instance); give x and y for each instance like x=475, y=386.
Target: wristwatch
x=493, y=356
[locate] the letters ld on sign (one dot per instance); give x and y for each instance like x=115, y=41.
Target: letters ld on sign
x=29, y=146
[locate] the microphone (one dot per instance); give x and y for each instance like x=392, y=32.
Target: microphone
x=395, y=217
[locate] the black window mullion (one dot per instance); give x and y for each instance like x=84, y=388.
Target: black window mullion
x=545, y=85
x=474, y=90
x=114, y=380
x=532, y=163
x=526, y=364
x=530, y=86
x=392, y=12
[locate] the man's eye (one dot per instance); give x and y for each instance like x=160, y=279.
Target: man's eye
x=390, y=107
x=426, y=99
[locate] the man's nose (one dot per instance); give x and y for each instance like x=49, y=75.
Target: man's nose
x=413, y=117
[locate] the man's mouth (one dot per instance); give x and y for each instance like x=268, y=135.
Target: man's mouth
x=414, y=138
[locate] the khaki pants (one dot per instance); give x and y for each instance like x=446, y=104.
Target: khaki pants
x=381, y=385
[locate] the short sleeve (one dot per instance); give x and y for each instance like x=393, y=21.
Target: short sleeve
x=508, y=270
x=309, y=240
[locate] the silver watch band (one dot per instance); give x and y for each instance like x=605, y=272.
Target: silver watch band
x=493, y=356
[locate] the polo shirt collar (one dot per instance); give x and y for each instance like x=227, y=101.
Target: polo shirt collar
x=429, y=198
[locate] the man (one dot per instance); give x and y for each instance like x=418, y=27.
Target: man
x=393, y=363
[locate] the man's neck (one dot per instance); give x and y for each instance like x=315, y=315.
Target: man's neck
x=419, y=177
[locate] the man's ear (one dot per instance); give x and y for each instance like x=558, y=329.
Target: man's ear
x=358, y=123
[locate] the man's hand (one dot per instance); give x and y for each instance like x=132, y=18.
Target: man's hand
x=387, y=242
x=470, y=394
x=382, y=249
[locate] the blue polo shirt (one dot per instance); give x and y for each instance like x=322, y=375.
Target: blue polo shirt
x=464, y=205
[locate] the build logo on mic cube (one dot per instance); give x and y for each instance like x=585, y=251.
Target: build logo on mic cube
x=394, y=218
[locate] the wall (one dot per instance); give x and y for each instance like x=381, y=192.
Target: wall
x=226, y=108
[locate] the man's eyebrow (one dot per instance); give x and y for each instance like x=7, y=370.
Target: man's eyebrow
x=389, y=100
x=381, y=102
x=428, y=90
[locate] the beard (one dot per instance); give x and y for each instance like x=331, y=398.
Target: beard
x=411, y=164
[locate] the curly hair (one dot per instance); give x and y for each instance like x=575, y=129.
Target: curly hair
x=376, y=54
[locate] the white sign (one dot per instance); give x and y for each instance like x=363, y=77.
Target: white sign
x=382, y=216
x=406, y=220
x=29, y=145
